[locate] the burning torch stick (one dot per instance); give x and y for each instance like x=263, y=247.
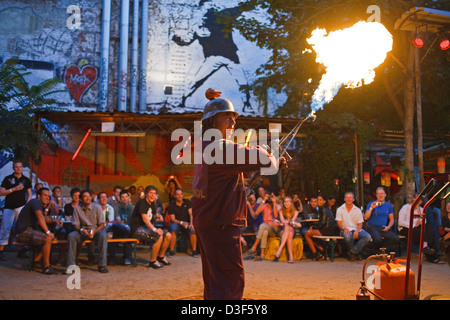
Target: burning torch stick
x=283, y=146
x=81, y=144
x=188, y=142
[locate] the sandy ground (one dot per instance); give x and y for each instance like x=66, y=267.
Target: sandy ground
x=265, y=280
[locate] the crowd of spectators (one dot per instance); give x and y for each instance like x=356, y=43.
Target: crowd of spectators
x=365, y=231
x=37, y=217
x=167, y=227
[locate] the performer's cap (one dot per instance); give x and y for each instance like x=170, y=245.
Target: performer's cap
x=216, y=106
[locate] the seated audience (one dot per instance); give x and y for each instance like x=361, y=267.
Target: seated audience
x=331, y=204
x=261, y=194
x=32, y=228
x=288, y=216
x=121, y=225
x=253, y=220
x=89, y=223
x=350, y=220
x=310, y=212
x=297, y=203
x=380, y=219
x=115, y=198
x=139, y=195
x=326, y=226
x=108, y=216
x=142, y=228
x=69, y=207
x=170, y=186
x=180, y=213
x=268, y=228
x=280, y=197
x=444, y=240
x=429, y=246
x=58, y=200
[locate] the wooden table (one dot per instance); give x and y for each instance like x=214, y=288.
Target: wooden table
x=331, y=241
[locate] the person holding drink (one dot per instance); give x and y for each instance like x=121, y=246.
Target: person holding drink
x=17, y=191
x=89, y=223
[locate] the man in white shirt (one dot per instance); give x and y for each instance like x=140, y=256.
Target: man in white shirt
x=429, y=244
x=404, y=216
x=350, y=220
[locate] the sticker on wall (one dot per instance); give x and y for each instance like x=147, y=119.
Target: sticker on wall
x=79, y=80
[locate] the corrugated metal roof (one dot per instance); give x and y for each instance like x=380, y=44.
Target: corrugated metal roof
x=152, y=114
x=434, y=19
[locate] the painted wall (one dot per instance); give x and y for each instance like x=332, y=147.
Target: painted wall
x=187, y=49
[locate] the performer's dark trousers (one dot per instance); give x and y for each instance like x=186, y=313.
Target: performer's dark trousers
x=223, y=270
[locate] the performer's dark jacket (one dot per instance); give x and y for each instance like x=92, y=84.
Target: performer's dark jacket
x=219, y=191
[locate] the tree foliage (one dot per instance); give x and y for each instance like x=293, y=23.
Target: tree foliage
x=328, y=152
x=19, y=102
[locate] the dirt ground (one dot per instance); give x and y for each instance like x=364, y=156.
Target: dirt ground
x=265, y=280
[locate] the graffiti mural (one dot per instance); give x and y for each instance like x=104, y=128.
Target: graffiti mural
x=78, y=81
x=188, y=52
x=191, y=52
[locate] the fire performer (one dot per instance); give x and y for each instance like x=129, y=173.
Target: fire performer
x=219, y=203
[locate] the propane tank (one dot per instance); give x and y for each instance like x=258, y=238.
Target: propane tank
x=391, y=280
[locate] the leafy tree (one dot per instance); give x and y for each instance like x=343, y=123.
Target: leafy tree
x=19, y=102
x=388, y=102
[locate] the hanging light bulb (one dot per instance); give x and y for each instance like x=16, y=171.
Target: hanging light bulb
x=444, y=42
x=419, y=39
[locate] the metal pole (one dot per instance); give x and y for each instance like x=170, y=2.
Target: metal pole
x=123, y=55
x=424, y=192
x=419, y=116
x=104, y=57
x=134, y=56
x=143, y=58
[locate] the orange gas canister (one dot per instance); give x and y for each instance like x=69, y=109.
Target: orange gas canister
x=390, y=281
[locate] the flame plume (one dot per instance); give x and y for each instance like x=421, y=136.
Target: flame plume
x=349, y=56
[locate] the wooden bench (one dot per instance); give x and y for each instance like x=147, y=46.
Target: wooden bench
x=249, y=234
x=133, y=242
x=330, y=242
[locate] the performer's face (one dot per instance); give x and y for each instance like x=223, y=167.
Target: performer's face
x=224, y=121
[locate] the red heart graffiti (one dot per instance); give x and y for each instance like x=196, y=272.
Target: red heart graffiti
x=79, y=81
